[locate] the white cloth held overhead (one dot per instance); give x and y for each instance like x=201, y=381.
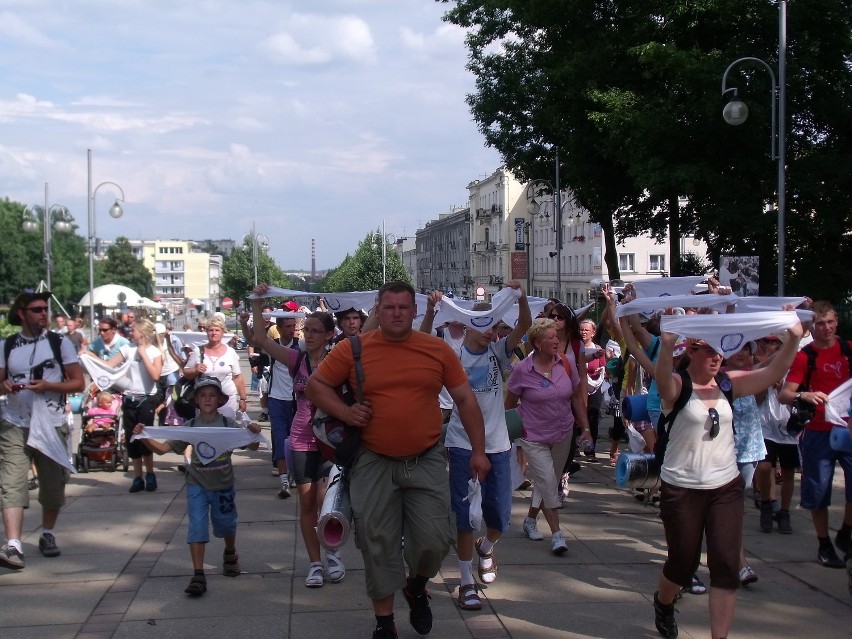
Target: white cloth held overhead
x=652, y=304
x=198, y=338
x=208, y=441
x=667, y=286
x=728, y=333
x=502, y=301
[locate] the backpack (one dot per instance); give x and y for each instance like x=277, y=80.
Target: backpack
x=338, y=442
x=666, y=422
x=55, y=341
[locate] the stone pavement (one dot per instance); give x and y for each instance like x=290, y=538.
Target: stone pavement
x=125, y=563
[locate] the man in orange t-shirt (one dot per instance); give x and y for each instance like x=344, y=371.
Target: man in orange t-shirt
x=399, y=484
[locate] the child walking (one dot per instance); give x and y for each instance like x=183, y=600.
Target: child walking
x=210, y=488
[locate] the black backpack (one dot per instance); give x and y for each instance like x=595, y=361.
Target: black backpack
x=666, y=422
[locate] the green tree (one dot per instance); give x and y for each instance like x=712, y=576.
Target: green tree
x=124, y=268
x=238, y=272
x=363, y=270
x=22, y=258
x=628, y=92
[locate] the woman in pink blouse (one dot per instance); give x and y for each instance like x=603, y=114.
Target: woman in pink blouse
x=547, y=387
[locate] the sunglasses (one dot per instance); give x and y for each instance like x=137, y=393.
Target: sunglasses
x=37, y=309
x=708, y=350
x=714, y=422
x=557, y=317
x=105, y=330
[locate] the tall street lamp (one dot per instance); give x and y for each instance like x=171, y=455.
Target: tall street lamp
x=52, y=217
x=535, y=189
x=736, y=112
x=257, y=239
x=387, y=238
x=116, y=212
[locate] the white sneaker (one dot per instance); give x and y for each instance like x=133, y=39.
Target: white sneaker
x=558, y=545
x=531, y=529
x=284, y=492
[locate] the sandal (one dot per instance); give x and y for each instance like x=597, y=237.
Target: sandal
x=488, y=574
x=197, y=586
x=231, y=564
x=315, y=577
x=697, y=587
x=336, y=569
x=469, y=598
x=613, y=460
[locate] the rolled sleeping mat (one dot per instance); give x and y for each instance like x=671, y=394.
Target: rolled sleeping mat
x=514, y=424
x=637, y=470
x=335, y=520
x=840, y=440
x=634, y=408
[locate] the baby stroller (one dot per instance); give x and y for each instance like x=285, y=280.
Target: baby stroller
x=102, y=439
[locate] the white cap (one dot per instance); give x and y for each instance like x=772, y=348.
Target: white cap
x=160, y=328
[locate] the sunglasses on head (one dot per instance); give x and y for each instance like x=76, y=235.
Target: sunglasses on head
x=714, y=422
x=706, y=348
x=37, y=309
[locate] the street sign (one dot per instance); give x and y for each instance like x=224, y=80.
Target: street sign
x=227, y=303
x=480, y=292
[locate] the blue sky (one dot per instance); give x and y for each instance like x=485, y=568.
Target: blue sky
x=316, y=119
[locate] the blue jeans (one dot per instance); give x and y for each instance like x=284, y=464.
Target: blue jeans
x=220, y=504
x=496, y=489
x=818, y=460
x=281, y=413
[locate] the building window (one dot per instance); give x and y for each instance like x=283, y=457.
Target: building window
x=657, y=262
x=627, y=262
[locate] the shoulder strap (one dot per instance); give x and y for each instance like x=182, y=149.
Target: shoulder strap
x=724, y=384
x=55, y=341
x=680, y=402
x=846, y=349
x=355, y=343
x=575, y=346
x=8, y=345
x=298, y=364
x=656, y=348
x=811, y=354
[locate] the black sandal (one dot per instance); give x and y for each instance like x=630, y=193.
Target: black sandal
x=231, y=564
x=197, y=586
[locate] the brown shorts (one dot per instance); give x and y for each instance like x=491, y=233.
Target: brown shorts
x=15, y=468
x=688, y=515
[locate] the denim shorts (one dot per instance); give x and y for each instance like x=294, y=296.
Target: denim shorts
x=818, y=460
x=496, y=489
x=221, y=506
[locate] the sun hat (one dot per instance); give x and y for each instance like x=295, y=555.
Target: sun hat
x=208, y=380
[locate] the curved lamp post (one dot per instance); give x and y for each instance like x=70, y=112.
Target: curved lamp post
x=736, y=112
x=535, y=189
x=116, y=212
x=52, y=217
x=261, y=240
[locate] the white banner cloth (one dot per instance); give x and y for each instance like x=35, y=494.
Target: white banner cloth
x=208, y=441
x=837, y=408
x=666, y=286
x=727, y=333
x=198, y=338
x=652, y=304
x=43, y=436
x=104, y=375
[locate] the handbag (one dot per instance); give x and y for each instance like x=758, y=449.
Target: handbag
x=801, y=413
x=182, y=397
x=338, y=441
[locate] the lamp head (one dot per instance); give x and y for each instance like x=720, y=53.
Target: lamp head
x=735, y=111
x=30, y=225
x=115, y=210
x=533, y=207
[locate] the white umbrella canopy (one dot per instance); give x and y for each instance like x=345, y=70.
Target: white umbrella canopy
x=148, y=303
x=107, y=295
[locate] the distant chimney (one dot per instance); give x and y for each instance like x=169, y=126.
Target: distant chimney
x=313, y=259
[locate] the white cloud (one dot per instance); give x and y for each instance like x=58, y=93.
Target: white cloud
x=315, y=119
x=314, y=40
x=16, y=29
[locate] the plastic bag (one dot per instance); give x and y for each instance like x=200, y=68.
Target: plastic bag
x=474, y=498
